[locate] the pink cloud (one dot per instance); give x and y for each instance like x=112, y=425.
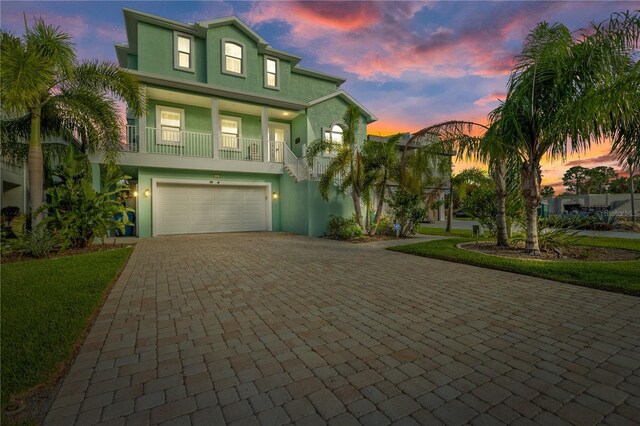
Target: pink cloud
x=491, y=98
x=392, y=46
x=76, y=26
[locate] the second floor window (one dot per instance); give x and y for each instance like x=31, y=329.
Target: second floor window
x=271, y=73
x=183, y=59
x=233, y=58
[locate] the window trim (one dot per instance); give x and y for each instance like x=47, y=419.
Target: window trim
x=159, y=140
x=176, y=53
x=277, y=61
x=237, y=120
x=223, y=60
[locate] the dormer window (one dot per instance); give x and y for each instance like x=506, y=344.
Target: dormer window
x=233, y=58
x=271, y=77
x=183, y=55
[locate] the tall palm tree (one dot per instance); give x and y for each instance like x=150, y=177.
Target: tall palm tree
x=380, y=164
x=47, y=93
x=346, y=166
x=566, y=92
x=477, y=142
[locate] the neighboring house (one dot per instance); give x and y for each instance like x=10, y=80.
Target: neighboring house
x=614, y=204
x=220, y=148
x=432, y=194
x=14, y=185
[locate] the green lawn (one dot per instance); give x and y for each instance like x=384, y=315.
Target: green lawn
x=619, y=276
x=46, y=305
x=441, y=232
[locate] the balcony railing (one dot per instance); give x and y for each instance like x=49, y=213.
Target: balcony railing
x=193, y=144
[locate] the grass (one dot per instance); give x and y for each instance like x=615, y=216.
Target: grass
x=618, y=276
x=441, y=232
x=46, y=308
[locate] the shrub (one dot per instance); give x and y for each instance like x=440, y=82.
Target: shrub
x=481, y=205
x=8, y=214
x=407, y=210
x=77, y=212
x=344, y=228
x=385, y=226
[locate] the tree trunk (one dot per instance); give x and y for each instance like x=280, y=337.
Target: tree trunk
x=531, y=179
x=35, y=166
x=358, y=207
x=633, y=201
x=499, y=173
x=450, y=212
x=379, y=207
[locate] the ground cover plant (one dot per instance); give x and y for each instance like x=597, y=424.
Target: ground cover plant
x=46, y=308
x=618, y=276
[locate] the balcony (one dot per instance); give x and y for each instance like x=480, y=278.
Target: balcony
x=201, y=145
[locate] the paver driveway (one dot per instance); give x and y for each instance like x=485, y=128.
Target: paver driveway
x=273, y=328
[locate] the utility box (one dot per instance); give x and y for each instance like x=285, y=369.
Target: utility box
x=477, y=231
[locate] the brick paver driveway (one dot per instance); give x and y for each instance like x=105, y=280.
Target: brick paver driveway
x=273, y=328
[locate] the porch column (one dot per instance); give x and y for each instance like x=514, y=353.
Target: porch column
x=265, y=134
x=441, y=215
x=142, y=128
x=215, y=127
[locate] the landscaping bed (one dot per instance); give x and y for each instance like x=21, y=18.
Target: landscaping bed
x=47, y=308
x=577, y=252
x=612, y=275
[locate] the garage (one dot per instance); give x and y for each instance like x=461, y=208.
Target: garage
x=203, y=207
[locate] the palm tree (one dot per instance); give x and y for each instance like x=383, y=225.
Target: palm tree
x=478, y=142
x=380, y=163
x=47, y=94
x=564, y=93
x=346, y=166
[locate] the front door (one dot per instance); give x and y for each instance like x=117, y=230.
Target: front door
x=278, y=136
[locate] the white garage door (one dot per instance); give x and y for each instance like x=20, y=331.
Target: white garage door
x=188, y=209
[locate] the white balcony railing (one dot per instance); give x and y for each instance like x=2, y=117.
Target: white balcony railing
x=179, y=143
x=194, y=144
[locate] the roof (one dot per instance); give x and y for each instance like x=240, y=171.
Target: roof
x=349, y=99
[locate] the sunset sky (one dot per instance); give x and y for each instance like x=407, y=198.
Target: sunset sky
x=411, y=63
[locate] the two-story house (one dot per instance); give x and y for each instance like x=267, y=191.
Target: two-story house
x=221, y=146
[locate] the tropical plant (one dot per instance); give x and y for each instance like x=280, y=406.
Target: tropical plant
x=346, y=166
x=550, y=238
x=76, y=212
x=475, y=141
x=407, y=210
x=565, y=92
x=47, y=94
x=380, y=165
x=344, y=228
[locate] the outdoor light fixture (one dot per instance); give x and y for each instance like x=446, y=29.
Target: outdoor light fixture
x=275, y=195
x=147, y=192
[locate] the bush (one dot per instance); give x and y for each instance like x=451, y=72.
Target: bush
x=481, y=205
x=596, y=222
x=344, y=228
x=385, y=226
x=407, y=210
x=8, y=214
x=77, y=212
x=37, y=243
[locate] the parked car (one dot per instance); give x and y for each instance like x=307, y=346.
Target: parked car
x=460, y=213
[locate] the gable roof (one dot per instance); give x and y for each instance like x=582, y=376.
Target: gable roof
x=341, y=93
x=199, y=29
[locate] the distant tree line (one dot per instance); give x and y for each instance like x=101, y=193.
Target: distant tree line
x=597, y=180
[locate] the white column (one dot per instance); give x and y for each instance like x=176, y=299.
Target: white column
x=142, y=129
x=265, y=134
x=441, y=215
x=215, y=127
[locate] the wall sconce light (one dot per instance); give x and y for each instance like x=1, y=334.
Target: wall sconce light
x=135, y=194
x=147, y=193
x=275, y=195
